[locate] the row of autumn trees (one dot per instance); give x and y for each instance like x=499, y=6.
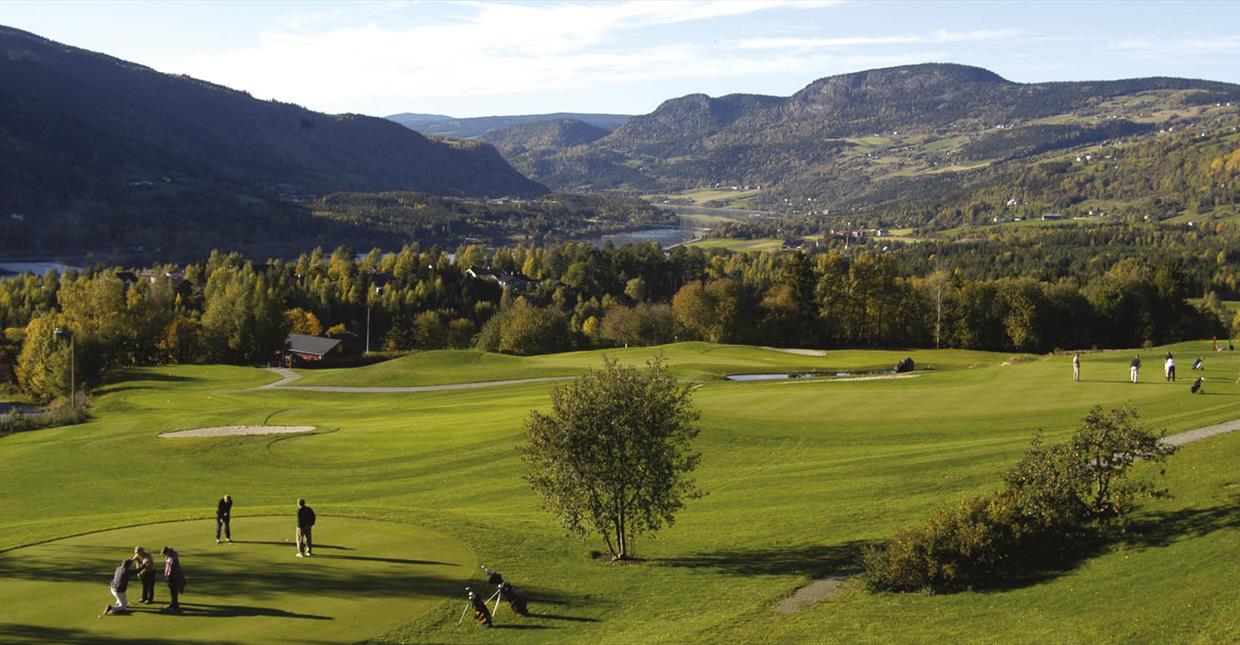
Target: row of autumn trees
x=229, y=309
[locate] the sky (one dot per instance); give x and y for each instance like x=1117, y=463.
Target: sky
x=476, y=58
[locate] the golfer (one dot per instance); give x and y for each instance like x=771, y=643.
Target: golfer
x=1134, y=367
x=175, y=576
x=1076, y=366
x=305, y=523
x=1169, y=368
x=120, y=582
x=223, y=515
x=145, y=562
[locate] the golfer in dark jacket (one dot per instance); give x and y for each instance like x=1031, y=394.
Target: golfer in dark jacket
x=120, y=583
x=175, y=576
x=223, y=514
x=305, y=522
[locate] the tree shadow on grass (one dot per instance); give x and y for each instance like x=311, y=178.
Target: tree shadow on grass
x=1154, y=529
x=574, y=619
x=239, y=611
x=1159, y=529
x=13, y=633
x=224, y=573
x=292, y=545
x=388, y=560
x=815, y=561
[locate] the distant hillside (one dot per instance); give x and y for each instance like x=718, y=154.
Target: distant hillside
x=527, y=146
x=98, y=138
x=843, y=138
x=477, y=127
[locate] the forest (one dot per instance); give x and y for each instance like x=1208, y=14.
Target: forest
x=575, y=295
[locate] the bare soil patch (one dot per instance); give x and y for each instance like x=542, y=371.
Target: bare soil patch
x=233, y=431
x=817, y=591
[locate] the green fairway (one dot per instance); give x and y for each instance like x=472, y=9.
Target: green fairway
x=365, y=576
x=691, y=361
x=799, y=474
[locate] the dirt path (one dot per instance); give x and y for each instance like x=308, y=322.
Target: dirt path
x=833, y=585
x=289, y=376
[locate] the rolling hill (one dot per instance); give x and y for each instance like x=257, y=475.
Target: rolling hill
x=845, y=140
x=88, y=139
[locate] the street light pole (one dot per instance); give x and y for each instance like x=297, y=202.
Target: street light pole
x=370, y=303
x=61, y=331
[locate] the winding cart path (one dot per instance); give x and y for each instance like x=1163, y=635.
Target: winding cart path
x=288, y=376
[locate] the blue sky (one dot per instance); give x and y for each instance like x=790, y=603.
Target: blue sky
x=480, y=58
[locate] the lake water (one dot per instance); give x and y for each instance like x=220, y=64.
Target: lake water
x=11, y=269
x=664, y=236
x=21, y=408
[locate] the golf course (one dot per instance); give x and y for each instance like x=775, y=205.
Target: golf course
x=415, y=488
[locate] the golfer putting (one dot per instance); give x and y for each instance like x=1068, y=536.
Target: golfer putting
x=305, y=526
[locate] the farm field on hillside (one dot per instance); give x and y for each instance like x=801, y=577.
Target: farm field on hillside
x=799, y=473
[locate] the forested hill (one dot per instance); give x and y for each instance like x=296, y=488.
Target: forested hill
x=845, y=136
x=80, y=126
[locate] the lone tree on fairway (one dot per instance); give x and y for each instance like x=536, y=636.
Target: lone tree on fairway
x=614, y=453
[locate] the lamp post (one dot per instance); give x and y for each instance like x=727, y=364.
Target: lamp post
x=369, y=304
x=61, y=331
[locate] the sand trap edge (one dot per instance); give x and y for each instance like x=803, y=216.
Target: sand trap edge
x=235, y=431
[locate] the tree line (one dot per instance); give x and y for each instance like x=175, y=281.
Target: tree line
x=573, y=295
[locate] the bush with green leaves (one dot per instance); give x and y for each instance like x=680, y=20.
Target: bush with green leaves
x=1057, y=500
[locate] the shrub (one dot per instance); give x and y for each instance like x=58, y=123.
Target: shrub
x=1057, y=500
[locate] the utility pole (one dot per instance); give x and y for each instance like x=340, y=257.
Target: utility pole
x=370, y=303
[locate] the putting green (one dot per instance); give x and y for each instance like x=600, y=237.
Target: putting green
x=365, y=578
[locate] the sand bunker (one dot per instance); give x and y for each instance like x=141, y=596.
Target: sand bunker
x=232, y=431
x=798, y=352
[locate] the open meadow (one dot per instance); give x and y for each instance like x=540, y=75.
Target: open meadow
x=414, y=490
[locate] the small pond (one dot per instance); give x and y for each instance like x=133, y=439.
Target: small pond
x=765, y=377
x=20, y=408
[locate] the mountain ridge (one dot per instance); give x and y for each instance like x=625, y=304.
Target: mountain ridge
x=840, y=136
x=228, y=133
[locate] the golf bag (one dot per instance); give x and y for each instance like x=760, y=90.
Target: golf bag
x=481, y=613
x=514, y=599
x=1197, y=363
x=1197, y=385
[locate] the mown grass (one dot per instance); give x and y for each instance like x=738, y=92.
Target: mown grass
x=800, y=475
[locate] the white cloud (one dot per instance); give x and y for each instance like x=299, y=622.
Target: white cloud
x=937, y=37
x=491, y=49
x=1224, y=44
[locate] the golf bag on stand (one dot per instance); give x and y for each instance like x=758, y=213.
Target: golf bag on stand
x=505, y=590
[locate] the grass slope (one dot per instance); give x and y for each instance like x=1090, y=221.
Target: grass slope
x=799, y=475
x=386, y=573
x=693, y=361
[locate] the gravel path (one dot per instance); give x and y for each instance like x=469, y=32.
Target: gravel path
x=289, y=376
x=286, y=376
x=1202, y=433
